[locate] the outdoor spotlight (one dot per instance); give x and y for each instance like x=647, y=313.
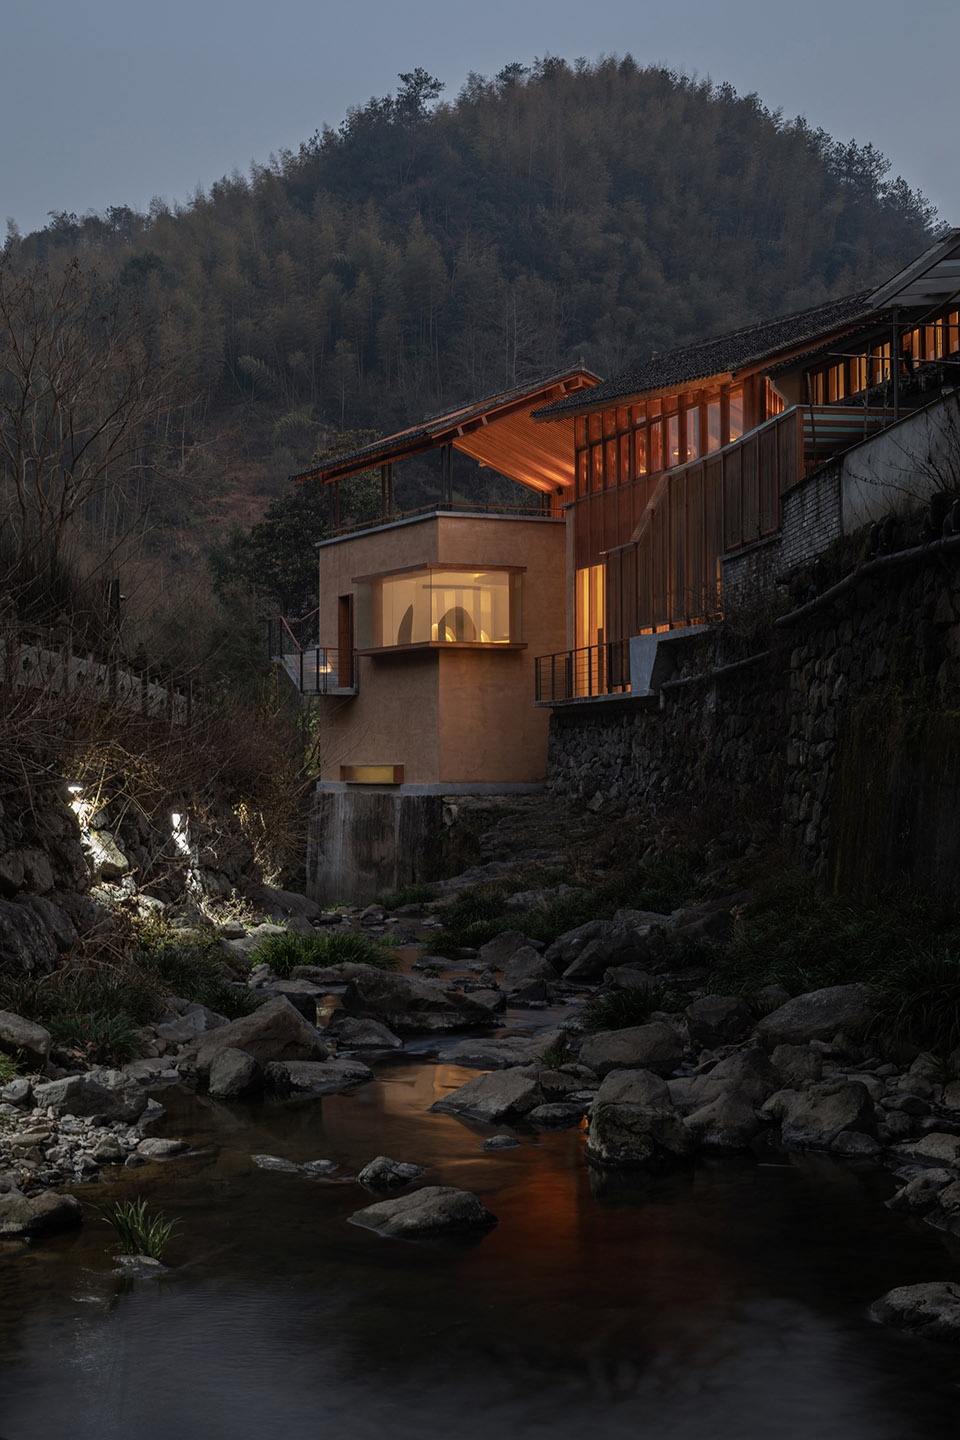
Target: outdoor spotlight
x=176, y=819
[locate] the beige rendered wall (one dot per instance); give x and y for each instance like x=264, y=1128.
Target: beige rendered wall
x=394, y=718
x=458, y=715
x=490, y=730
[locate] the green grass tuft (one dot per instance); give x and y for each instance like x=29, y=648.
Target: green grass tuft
x=418, y=894
x=283, y=953
x=8, y=1069
x=633, y=1005
x=139, y=1233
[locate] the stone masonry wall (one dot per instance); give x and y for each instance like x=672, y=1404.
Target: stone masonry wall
x=844, y=732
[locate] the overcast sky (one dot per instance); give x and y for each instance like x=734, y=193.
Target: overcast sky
x=112, y=102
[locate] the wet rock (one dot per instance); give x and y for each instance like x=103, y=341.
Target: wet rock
x=812, y=1119
x=42, y=1214
x=931, y=1310
x=276, y=1031
x=281, y=904
x=527, y=976
x=747, y=1074
x=503, y=1095
x=55, y=920
x=797, y=1065
x=626, y=1135
x=922, y=1192
x=410, y=1004
x=716, y=1020
x=934, y=1149
x=819, y=1015
x=108, y=1093
x=18, y=1092
x=302, y=994
x=656, y=1047
x=635, y=1087
x=25, y=943
x=730, y=1122
x=503, y=1052
x=437, y=1209
x=497, y=953
x=157, y=1148
x=141, y=1267
x=500, y=1142
x=628, y=977
x=557, y=1114
x=234, y=1074
x=324, y=1077
x=24, y=1039
x=354, y=1034
x=617, y=942
x=386, y=1174
x=276, y=1163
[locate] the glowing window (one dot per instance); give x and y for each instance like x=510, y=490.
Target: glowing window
x=439, y=607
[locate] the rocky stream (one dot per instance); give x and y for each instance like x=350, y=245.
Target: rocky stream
x=432, y=1198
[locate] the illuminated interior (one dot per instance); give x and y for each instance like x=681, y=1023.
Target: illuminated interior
x=439, y=606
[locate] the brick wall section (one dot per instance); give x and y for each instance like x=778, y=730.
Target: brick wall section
x=846, y=736
x=811, y=517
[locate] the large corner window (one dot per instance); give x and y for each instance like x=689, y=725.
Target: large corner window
x=439, y=606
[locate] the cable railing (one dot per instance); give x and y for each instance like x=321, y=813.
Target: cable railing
x=580, y=674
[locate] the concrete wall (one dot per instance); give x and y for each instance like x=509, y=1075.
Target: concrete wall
x=904, y=465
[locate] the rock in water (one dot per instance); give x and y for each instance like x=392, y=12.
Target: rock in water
x=931, y=1310
x=435, y=1210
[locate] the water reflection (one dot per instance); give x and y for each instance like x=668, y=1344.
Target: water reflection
x=724, y=1302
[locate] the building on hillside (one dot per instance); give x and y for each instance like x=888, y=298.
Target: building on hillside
x=703, y=473
x=660, y=497
x=421, y=652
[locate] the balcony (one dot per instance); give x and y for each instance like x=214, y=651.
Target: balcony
x=314, y=669
x=582, y=674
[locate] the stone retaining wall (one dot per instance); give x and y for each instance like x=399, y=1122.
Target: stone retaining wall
x=845, y=733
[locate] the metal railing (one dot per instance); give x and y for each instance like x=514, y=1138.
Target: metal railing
x=579, y=674
x=314, y=669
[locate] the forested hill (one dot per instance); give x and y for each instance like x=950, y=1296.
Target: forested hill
x=431, y=250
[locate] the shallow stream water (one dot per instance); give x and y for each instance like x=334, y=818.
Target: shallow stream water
x=728, y=1303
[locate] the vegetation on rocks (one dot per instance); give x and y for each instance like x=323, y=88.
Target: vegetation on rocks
x=620, y=1008
x=283, y=953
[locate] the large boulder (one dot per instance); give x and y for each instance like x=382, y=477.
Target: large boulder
x=108, y=1093
x=504, y=1095
x=931, y=1310
x=729, y=1122
x=25, y=942
x=716, y=1020
x=655, y=1047
x=435, y=1210
x=819, y=1015
x=410, y=1004
x=24, y=1039
x=814, y=1118
x=527, y=976
x=309, y=1078
x=276, y=1031
x=629, y=1135
x=234, y=1075
x=746, y=1075
x=936, y=1148
x=362, y=1034
x=613, y=942
x=42, y=1214
x=384, y=1174
x=496, y=953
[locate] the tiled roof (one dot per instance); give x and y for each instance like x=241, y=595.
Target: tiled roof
x=721, y=355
